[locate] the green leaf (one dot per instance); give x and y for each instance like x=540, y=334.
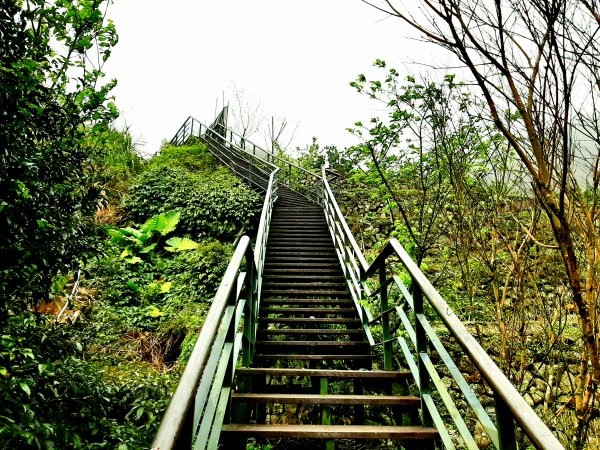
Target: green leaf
x=134, y=287
x=166, y=287
x=162, y=223
x=148, y=249
x=153, y=311
x=181, y=244
x=134, y=260
x=25, y=388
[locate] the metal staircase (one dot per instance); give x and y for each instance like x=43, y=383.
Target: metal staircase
x=287, y=351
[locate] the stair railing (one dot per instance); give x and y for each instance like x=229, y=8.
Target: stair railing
x=416, y=336
x=199, y=405
x=297, y=178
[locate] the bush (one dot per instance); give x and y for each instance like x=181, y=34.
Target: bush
x=196, y=275
x=51, y=397
x=212, y=202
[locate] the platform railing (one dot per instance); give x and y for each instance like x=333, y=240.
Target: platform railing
x=410, y=308
x=295, y=177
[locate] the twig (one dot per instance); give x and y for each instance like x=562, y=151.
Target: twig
x=73, y=293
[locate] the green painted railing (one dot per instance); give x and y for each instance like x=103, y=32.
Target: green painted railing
x=199, y=406
x=405, y=307
x=231, y=146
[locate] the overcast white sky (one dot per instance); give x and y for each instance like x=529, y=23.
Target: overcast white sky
x=176, y=58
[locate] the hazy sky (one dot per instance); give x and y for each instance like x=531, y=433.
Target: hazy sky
x=176, y=58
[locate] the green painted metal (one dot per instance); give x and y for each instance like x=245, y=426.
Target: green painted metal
x=199, y=404
x=385, y=320
x=417, y=327
x=206, y=425
x=212, y=365
x=203, y=390
x=457, y=417
x=505, y=424
x=468, y=393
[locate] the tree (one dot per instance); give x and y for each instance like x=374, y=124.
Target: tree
x=535, y=62
x=53, y=102
x=422, y=153
x=275, y=134
x=247, y=116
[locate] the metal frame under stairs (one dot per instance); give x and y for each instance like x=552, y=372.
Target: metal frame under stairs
x=287, y=351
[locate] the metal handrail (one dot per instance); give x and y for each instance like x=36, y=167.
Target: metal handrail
x=509, y=404
x=174, y=428
x=192, y=416
x=219, y=343
x=294, y=173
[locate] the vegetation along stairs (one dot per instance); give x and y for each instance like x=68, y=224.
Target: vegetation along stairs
x=288, y=350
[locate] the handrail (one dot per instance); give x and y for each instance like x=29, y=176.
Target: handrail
x=192, y=415
x=212, y=364
x=509, y=404
x=299, y=179
x=169, y=434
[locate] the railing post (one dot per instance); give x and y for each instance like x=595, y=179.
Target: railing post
x=249, y=313
x=504, y=424
x=385, y=320
x=421, y=347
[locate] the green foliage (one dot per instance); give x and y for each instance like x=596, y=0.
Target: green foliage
x=52, y=397
x=195, y=159
x=139, y=242
x=212, y=202
x=115, y=158
x=218, y=212
x=432, y=150
x=51, y=99
x=155, y=189
x=313, y=157
x=197, y=274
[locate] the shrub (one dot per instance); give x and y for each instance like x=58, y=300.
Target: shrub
x=212, y=202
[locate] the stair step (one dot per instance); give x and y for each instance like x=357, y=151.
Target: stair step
x=287, y=285
x=291, y=218
x=330, y=399
x=329, y=373
x=286, y=292
x=338, y=344
x=305, y=357
x=291, y=253
x=300, y=320
x=284, y=231
x=297, y=277
x=284, y=264
x=306, y=301
x=314, y=310
x=297, y=228
x=333, y=431
x=312, y=208
x=310, y=331
x=329, y=260
x=303, y=271
x=295, y=241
